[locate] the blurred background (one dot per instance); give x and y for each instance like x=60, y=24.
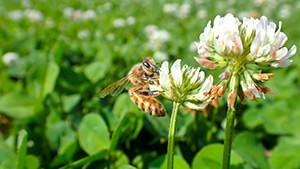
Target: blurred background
x=56, y=56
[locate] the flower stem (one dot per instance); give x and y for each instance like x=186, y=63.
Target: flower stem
x=172, y=129
x=228, y=138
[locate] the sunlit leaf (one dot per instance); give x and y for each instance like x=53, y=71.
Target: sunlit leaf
x=161, y=163
x=32, y=162
x=22, y=149
x=286, y=154
x=17, y=105
x=129, y=127
x=93, y=134
x=251, y=150
x=210, y=157
x=8, y=159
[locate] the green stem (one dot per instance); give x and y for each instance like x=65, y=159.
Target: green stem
x=172, y=129
x=228, y=138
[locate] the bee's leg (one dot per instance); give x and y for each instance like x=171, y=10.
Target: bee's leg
x=146, y=79
x=153, y=93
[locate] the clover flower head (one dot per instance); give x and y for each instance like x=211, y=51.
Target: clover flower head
x=185, y=85
x=234, y=45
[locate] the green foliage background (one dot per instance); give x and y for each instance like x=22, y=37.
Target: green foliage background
x=51, y=115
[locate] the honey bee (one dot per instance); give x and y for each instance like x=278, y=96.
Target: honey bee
x=140, y=76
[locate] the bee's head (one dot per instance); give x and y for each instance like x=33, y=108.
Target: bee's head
x=149, y=66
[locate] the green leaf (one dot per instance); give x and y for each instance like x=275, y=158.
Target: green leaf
x=277, y=119
x=70, y=101
x=67, y=147
x=58, y=51
x=210, y=157
x=86, y=160
x=252, y=117
x=128, y=167
x=93, y=134
x=22, y=149
x=49, y=82
x=8, y=159
x=119, y=159
x=95, y=71
x=124, y=104
x=32, y=162
x=128, y=127
x=161, y=163
x=286, y=153
x=17, y=105
x=251, y=150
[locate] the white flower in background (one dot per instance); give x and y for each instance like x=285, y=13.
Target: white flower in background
x=130, y=20
x=158, y=38
x=235, y=45
x=183, y=11
x=49, y=23
x=193, y=47
x=26, y=3
x=149, y=29
x=15, y=15
x=110, y=37
x=119, y=22
x=89, y=15
x=160, y=35
x=10, y=58
x=77, y=14
x=34, y=15
x=68, y=12
x=185, y=85
x=83, y=34
x=160, y=56
x=298, y=5
x=105, y=7
x=170, y=8
x=285, y=11
x=202, y=13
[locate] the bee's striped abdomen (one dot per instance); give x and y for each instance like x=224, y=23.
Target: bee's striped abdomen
x=148, y=104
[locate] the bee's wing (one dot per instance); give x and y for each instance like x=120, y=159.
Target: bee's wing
x=116, y=87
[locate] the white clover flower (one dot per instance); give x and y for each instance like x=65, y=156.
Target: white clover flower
x=149, y=29
x=130, y=20
x=83, y=34
x=15, y=15
x=184, y=85
x=34, y=15
x=202, y=13
x=184, y=11
x=26, y=3
x=68, y=12
x=110, y=37
x=119, y=22
x=160, y=56
x=193, y=47
x=10, y=58
x=233, y=44
x=158, y=38
x=285, y=11
x=89, y=15
x=170, y=8
x=77, y=14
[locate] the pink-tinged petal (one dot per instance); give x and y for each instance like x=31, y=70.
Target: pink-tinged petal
x=237, y=48
x=284, y=61
x=205, y=63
